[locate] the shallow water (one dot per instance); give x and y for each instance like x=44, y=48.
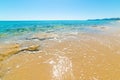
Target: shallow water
x=63, y=53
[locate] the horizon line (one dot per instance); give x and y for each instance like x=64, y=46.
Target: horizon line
x=58, y=19
x=48, y=20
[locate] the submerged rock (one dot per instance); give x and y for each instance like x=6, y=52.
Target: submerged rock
x=8, y=50
x=103, y=28
x=31, y=48
x=44, y=36
x=29, y=45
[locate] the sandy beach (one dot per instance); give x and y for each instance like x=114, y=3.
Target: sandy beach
x=75, y=57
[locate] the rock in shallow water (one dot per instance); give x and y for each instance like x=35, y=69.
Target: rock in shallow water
x=44, y=36
x=8, y=50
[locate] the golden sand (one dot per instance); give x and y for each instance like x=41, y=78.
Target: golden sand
x=79, y=57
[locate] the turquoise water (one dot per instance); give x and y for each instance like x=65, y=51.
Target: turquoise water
x=20, y=28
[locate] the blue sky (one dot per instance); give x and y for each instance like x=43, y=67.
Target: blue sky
x=58, y=9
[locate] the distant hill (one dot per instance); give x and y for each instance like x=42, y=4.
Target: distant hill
x=104, y=19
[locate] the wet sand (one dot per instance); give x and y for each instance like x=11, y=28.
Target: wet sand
x=74, y=57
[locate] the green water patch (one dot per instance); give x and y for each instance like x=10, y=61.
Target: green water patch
x=3, y=35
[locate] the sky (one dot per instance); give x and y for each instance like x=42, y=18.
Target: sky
x=58, y=9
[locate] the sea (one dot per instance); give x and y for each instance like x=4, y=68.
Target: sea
x=9, y=29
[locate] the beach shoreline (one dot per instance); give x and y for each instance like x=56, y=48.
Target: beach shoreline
x=77, y=56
